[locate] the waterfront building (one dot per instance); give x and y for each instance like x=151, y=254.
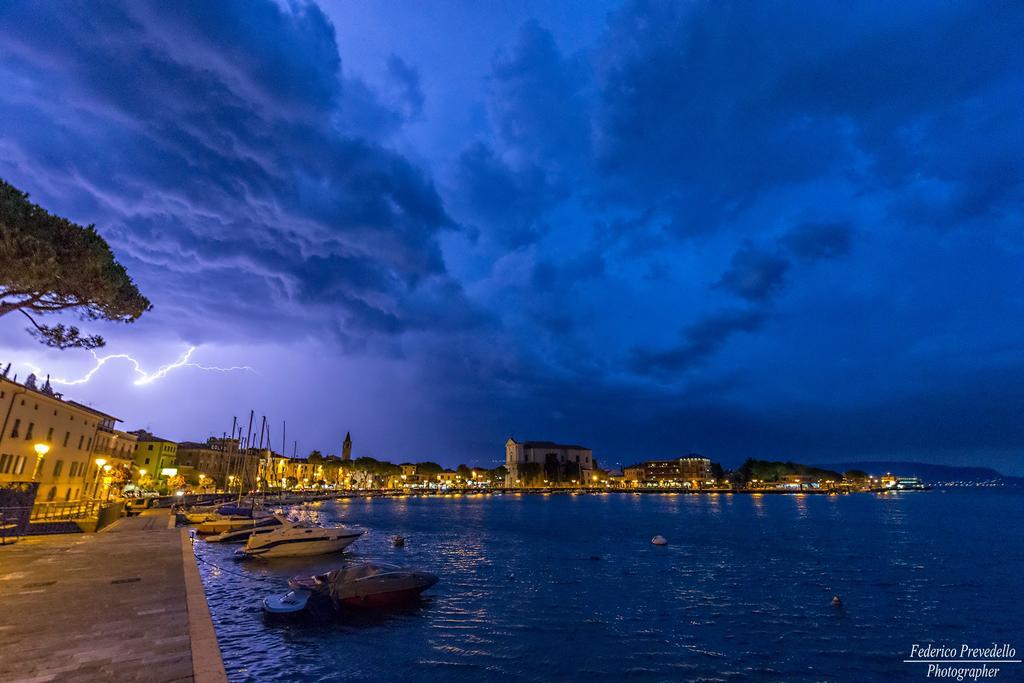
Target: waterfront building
x=216, y=460
x=448, y=478
x=115, y=446
x=691, y=472
x=156, y=455
x=49, y=440
x=634, y=475
x=529, y=463
x=116, y=450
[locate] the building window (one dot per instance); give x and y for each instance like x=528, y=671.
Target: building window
x=14, y=431
x=19, y=465
x=51, y=494
x=147, y=461
x=67, y=435
x=28, y=432
x=5, y=462
x=90, y=442
x=81, y=440
x=149, y=447
x=73, y=470
x=67, y=495
x=49, y=435
x=57, y=467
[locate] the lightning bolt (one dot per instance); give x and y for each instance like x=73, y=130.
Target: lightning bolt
x=184, y=361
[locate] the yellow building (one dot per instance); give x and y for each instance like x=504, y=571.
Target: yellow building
x=157, y=456
x=48, y=440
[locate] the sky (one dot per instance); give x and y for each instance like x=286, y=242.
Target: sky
x=776, y=230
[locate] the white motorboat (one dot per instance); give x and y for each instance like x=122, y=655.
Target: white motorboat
x=257, y=526
x=299, y=541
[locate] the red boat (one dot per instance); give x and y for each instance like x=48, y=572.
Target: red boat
x=367, y=585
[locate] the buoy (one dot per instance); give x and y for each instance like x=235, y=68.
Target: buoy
x=836, y=602
x=399, y=541
x=659, y=540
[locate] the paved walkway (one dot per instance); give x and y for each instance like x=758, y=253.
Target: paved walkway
x=125, y=604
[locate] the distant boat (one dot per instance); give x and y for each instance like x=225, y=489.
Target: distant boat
x=911, y=484
x=297, y=540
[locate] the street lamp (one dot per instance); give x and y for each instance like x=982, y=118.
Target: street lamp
x=106, y=480
x=100, y=462
x=41, y=450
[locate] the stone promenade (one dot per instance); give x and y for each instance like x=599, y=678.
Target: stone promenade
x=124, y=604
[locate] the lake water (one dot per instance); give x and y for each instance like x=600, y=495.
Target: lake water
x=568, y=587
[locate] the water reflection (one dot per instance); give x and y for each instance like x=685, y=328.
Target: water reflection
x=569, y=588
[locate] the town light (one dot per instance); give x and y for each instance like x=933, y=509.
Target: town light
x=106, y=468
x=100, y=462
x=41, y=449
x=142, y=473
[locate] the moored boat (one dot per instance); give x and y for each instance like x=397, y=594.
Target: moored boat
x=297, y=540
x=253, y=527
x=367, y=585
x=292, y=602
x=221, y=523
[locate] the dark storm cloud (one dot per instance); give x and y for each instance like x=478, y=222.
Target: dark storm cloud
x=700, y=341
x=754, y=274
x=738, y=218
x=819, y=240
x=690, y=119
x=406, y=81
x=509, y=201
x=537, y=101
x=541, y=138
x=226, y=136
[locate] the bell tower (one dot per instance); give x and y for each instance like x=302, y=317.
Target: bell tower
x=346, y=448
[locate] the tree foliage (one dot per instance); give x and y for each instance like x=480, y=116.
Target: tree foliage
x=764, y=470
x=428, y=468
x=49, y=264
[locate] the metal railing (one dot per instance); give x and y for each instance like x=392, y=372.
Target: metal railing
x=60, y=510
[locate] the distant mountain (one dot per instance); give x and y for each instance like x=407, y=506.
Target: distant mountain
x=928, y=472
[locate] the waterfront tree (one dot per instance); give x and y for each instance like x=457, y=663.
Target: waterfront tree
x=50, y=265
x=428, y=468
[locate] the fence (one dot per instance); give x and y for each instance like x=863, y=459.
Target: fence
x=16, y=521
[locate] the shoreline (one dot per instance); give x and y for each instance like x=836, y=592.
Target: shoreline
x=207, y=662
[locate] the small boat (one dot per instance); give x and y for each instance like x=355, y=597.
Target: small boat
x=659, y=540
x=298, y=540
x=222, y=523
x=254, y=526
x=367, y=585
x=292, y=602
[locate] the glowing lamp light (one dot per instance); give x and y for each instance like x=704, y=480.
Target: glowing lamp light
x=169, y=471
x=100, y=462
x=41, y=449
x=106, y=468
